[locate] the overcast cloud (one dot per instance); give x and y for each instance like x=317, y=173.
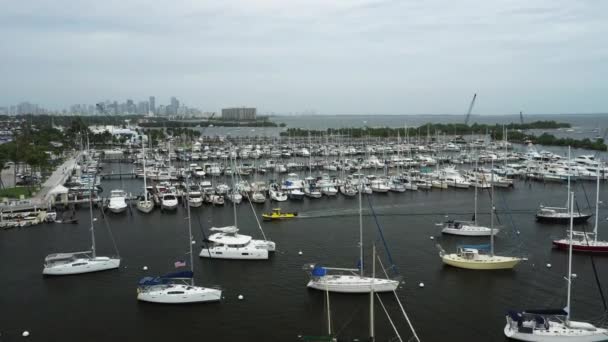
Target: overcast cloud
x=335, y=57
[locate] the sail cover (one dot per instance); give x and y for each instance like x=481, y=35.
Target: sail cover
x=479, y=247
x=182, y=274
x=319, y=271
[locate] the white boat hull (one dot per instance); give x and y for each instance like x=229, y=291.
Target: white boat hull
x=117, y=209
x=145, y=207
x=469, y=231
x=352, y=284
x=179, y=294
x=234, y=253
x=558, y=333
x=83, y=265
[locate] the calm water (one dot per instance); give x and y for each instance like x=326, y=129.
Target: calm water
x=455, y=304
x=584, y=124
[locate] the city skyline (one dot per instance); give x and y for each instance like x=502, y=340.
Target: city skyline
x=344, y=56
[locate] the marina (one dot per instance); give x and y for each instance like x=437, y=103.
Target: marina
x=259, y=195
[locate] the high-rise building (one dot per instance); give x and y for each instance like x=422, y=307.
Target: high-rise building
x=152, y=104
x=239, y=114
x=173, y=107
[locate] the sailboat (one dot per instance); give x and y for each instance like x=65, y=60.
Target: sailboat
x=586, y=241
x=479, y=257
x=559, y=214
x=468, y=228
x=80, y=262
x=227, y=243
x=177, y=287
x=549, y=325
x=355, y=282
x=145, y=205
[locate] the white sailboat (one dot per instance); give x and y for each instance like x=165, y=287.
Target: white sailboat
x=468, y=228
x=550, y=325
x=178, y=287
x=145, y=205
x=80, y=262
x=355, y=282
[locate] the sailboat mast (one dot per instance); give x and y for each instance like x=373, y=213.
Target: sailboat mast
x=492, y=209
x=233, y=193
x=569, y=279
x=328, y=311
x=568, y=201
x=476, y=181
x=597, y=203
x=143, y=151
x=360, y=225
x=91, y=203
x=189, y=231
x=371, y=296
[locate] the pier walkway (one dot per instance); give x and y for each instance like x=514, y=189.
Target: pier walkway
x=42, y=197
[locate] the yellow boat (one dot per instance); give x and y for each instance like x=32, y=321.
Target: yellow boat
x=471, y=258
x=276, y=214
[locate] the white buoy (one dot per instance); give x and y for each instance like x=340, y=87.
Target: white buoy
x=518, y=232
x=574, y=275
x=432, y=238
x=548, y=265
x=241, y=297
x=145, y=268
x=193, y=242
x=421, y=285
x=25, y=333
x=300, y=253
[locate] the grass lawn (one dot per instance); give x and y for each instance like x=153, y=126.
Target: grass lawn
x=16, y=192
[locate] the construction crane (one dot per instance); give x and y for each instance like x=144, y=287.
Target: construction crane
x=521, y=118
x=466, y=120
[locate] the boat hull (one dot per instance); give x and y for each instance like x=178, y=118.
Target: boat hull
x=491, y=263
x=352, y=284
x=469, y=232
x=234, y=253
x=118, y=209
x=580, y=246
x=83, y=266
x=145, y=207
x=577, y=335
x=179, y=294
x=563, y=219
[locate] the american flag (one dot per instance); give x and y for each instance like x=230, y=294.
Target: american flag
x=180, y=263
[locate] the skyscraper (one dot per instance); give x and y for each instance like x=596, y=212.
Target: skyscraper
x=174, y=105
x=152, y=104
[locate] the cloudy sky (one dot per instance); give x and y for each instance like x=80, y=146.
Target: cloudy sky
x=328, y=56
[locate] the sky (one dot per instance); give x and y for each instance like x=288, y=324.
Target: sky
x=326, y=56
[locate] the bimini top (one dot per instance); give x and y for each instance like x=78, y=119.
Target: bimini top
x=147, y=281
x=518, y=315
x=225, y=230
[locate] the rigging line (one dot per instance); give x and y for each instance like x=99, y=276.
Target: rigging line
x=200, y=225
x=105, y=220
x=586, y=197
x=393, y=266
x=595, y=275
x=407, y=319
x=388, y=316
x=508, y=211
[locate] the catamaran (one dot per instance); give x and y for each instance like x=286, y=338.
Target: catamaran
x=355, y=282
x=178, y=287
x=227, y=243
x=548, y=325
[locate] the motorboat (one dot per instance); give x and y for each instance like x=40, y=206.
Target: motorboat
x=117, y=203
x=277, y=214
x=168, y=201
